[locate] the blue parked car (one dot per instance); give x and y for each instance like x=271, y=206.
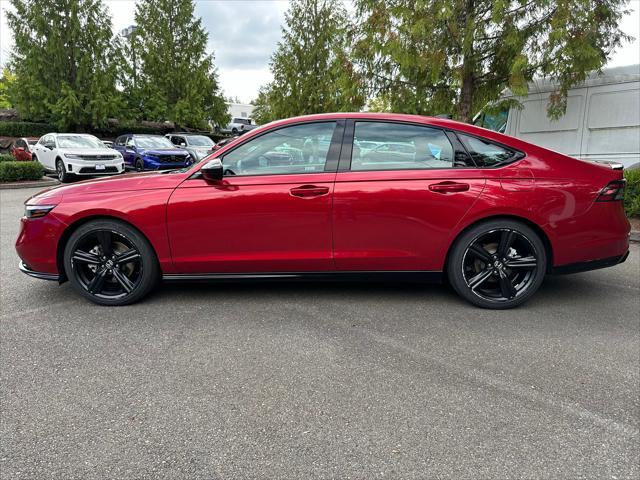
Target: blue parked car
x=151, y=152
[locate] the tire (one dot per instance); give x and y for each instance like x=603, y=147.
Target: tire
x=62, y=173
x=234, y=130
x=497, y=264
x=110, y=263
x=139, y=165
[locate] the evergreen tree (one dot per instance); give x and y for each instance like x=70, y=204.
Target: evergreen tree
x=454, y=56
x=62, y=61
x=311, y=69
x=176, y=77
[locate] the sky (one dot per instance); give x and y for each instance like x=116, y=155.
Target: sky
x=243, y=34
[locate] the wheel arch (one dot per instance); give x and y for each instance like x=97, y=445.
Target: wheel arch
x=66, y=234
x=534, y=226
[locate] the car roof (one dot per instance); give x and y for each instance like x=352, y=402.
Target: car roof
x=398, y=117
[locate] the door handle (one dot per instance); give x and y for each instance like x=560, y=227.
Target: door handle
x=306, y=191
x=449, y=187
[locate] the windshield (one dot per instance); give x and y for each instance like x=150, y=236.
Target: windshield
x=33, y=141
x=153, y=142
x=496, y=121
x=200, y=141
x=79, y=141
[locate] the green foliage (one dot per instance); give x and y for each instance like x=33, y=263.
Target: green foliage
x=311, y=66
x=7, y=157
x=6, y=80
x=454, y=56
x=176, y=79
x=632, y=193
x=18, y=171
x=24, y=129
x=63, y=58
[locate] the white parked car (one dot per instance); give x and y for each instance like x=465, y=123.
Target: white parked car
x=71, y=154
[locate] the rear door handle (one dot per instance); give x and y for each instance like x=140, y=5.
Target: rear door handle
x=449, y=187
x=306, y=191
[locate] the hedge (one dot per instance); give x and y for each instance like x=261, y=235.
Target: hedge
x=7, y=157
x=632, y=193
x=16, y=171
x=25, y=129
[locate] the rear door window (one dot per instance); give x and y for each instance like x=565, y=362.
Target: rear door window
x=398, y=146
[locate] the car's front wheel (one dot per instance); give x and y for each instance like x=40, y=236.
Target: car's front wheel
x=62, y=173
x=139, y=165
x=497, y=264
x=110, y=263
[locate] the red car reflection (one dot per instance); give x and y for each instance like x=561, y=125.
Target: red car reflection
x=339, y=196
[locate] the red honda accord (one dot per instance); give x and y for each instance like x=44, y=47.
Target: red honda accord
x=339, y=196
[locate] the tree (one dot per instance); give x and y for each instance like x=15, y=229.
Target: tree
x=6, y=81
x=176, y=76
x=311, y=69
x=62, y=61
x=454, y=56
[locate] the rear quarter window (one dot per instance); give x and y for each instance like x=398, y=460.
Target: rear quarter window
x=486, y=153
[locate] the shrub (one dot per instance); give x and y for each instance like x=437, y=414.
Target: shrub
x=17, y=171
x=7, y=157
x=632, y=193
x=25, y=129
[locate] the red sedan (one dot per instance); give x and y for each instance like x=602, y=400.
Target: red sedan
x=23, y=148
x=339, y=196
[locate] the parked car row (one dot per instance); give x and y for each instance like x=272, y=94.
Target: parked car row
x=70, y=155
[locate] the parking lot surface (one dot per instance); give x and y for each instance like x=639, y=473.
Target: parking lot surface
x=318, y=380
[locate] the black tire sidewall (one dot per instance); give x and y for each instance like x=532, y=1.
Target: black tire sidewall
x=454, y=263
x=151, y=269
x=65, y=176
x=139, y=162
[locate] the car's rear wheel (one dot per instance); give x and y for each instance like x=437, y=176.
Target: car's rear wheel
x=62, y=173
x=110, y=263
x=497, y=264
x=139, y=165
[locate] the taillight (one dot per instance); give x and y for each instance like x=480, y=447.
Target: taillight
x=613, y=192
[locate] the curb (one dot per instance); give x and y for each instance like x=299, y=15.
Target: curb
x=46, y=182
x=635, y=236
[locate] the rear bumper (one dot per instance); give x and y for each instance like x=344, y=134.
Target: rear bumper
x=41, y=275
x=591, y=265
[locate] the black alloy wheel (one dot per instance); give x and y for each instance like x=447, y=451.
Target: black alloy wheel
x=110, y=263
x=139, y=165
x=498, y=264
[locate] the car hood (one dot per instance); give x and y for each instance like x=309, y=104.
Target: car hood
x=89, y=151
x=120, y=183
x=163, y=151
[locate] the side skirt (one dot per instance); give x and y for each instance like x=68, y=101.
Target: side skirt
x=373, y=276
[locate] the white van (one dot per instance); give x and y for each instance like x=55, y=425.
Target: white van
x=602, y=121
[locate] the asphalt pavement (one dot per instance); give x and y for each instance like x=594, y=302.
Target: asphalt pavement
x=316, y=380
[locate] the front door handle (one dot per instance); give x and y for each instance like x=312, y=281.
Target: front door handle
x=306, y=191
x=449, y=187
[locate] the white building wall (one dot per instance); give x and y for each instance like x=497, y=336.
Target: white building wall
x=240, y=110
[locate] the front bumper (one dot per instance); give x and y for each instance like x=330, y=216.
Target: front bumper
x=41, y=275
x=84, y=167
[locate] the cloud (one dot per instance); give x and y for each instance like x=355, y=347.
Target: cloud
x=242, y=34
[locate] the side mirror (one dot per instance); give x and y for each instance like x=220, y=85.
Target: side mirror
x=182, y=144
x=212, y=170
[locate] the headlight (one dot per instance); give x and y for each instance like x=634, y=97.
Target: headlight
x=37, y=211
x=72, y=155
